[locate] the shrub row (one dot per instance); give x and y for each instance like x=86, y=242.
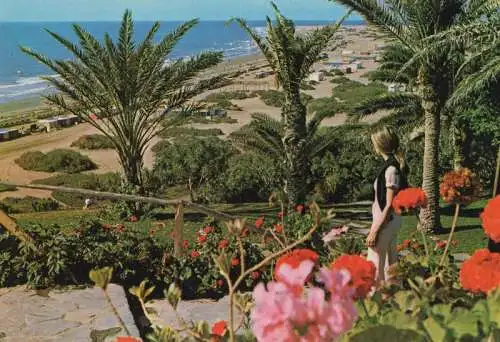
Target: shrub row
x=59, y=160
x=93, y=142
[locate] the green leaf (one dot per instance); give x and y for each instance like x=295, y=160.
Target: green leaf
x=101, y=335
x=436, y=330
x=101, y=277
x=386, y=333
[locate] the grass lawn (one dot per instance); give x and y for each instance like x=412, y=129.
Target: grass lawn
x=469, y=233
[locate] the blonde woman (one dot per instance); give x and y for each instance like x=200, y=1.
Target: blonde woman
x=381, y=240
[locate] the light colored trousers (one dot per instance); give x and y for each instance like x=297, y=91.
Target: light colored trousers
x=384, y=254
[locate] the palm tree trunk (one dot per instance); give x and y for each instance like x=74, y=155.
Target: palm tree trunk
x=429, y=217
x=132, y=168
x=461, y=145
x=497, y=175
x=294, y=140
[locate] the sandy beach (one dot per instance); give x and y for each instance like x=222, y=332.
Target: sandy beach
x=360, y=40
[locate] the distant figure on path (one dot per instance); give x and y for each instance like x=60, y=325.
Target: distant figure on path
x=391, y=178
x=88, y=202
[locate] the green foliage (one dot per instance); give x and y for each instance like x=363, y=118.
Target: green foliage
x=228, y=95
x=99, y=182
x=4, y=188
x=93, y=142
x=325, y=106
x=62, y=257
x=346, y=172
x=340, y=79
x=182, y=132
x=350, y=93
x=276, y=98
x=193, y=162
x=60, y=160
x=29, y=204
x=249, y=178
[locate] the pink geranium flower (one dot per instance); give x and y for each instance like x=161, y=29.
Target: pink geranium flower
x=282, y=313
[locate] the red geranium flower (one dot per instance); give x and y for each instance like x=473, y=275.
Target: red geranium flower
x=278, y=228
x=120, y=228
x=202, y=238
x=127, y=339
x=490, y=218
x=299, y=208
x=195, y=253
x=219, y=328
x=223, y=244
x=294, y=258
x=441, y=244
x=481, y=272
x=133, y=218
x=255, y=275
x=235, y=261
x=362, y=273
x=459, y=187
x=185, y=244
x=259, y=222
x=408, y=199
x=406, y=243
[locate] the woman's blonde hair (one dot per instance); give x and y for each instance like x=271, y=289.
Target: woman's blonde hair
x=387, y=141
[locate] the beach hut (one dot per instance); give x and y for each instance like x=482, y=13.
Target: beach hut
x=317, y=76
x=8, y=134
x=48, y=124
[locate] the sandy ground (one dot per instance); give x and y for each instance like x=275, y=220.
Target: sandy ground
x=107, y=159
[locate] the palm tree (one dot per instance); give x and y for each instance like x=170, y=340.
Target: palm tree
x=124, y=88
x=265, y=135
x=410, y=23
x=291, y=55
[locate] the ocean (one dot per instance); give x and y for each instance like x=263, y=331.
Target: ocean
x=20, y=74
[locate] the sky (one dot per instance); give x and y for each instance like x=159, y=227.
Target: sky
x=163, y=10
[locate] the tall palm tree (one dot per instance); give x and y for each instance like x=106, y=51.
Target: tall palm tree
x=124, y=88
x=265, y=135
x=410, y=23
x=291, y=55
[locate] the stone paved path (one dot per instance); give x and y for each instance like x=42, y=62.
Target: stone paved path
x=69, y=315
x=192, y=310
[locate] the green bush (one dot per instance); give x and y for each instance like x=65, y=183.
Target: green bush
x=275, y=98
x=181, y=132
x=229, y=95
x=341, y=80
x=93, y=142
x=328, y=106
x=337, y=72
x=28, y=204
x=60, y=160
x=194, y=162
x=352, y=92
x=5, y=188
x=248, y=178
x=99, y=182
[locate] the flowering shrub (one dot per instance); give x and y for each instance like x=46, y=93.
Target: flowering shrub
x=409, y=199
x=283, y=314
x=219, y=328
x=361, y=270
x=490, y=218
x=459, y=187
x=481, y=273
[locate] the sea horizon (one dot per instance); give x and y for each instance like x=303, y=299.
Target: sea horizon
x=20, y=74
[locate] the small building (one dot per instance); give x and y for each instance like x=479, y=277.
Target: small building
x=349, y=68
x=58, y=121
x=317, y=76
x=8, y=134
